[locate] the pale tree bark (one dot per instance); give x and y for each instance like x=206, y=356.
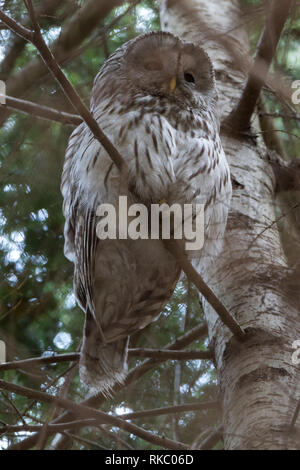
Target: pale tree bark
x=257, y=379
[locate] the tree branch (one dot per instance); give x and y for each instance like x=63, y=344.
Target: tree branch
x=96, y=401
x=171, y=410
x=165, y=354
x=239, y=119
x=12, y=428
x=41, y=111
x=161, y=354
x=53, y=359
x=203, y=288
x=87, y=412
x=278, y=114
x=84, y=441
x=115, y=437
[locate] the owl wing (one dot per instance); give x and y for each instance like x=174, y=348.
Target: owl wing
x=80, y=224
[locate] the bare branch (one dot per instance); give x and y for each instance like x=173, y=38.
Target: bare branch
x=161, y=354
x=167, y=354
x=12, y=428
x=96, y=401
x=278, y=114
x=239, y=119
x=171, y=410
x=203, y=288
x=99, y=416
x=53, y=359
x=16, y=27
x=115, y=437
x=41, y=111
x=14, y=407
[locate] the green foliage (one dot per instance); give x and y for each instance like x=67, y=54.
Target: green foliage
x=38, y=314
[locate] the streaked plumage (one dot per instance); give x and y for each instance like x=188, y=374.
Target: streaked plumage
x=170, y=140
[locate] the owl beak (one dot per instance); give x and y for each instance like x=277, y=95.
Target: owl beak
x=173, y=84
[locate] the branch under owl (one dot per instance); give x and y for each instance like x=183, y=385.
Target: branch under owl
x=135, y=374
x=99, y=416
x=78, y=424
x=161, y=354
x=240, y=118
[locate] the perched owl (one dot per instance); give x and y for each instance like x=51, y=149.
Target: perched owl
x=156, y=100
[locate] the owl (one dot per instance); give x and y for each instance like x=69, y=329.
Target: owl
x=156, y=100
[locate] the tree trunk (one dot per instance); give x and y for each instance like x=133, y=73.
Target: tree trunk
x=257, y=378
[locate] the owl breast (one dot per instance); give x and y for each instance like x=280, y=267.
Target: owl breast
x=173, y=155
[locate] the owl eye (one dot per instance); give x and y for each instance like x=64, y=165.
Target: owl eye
x=189, y=77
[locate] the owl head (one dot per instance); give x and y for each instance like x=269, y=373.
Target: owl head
x=160, y=64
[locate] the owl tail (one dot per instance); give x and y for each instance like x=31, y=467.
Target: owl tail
x=101, y=365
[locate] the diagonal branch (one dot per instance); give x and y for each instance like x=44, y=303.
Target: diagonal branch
x=204, y=289
x=239, y=119
x=41, y=111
